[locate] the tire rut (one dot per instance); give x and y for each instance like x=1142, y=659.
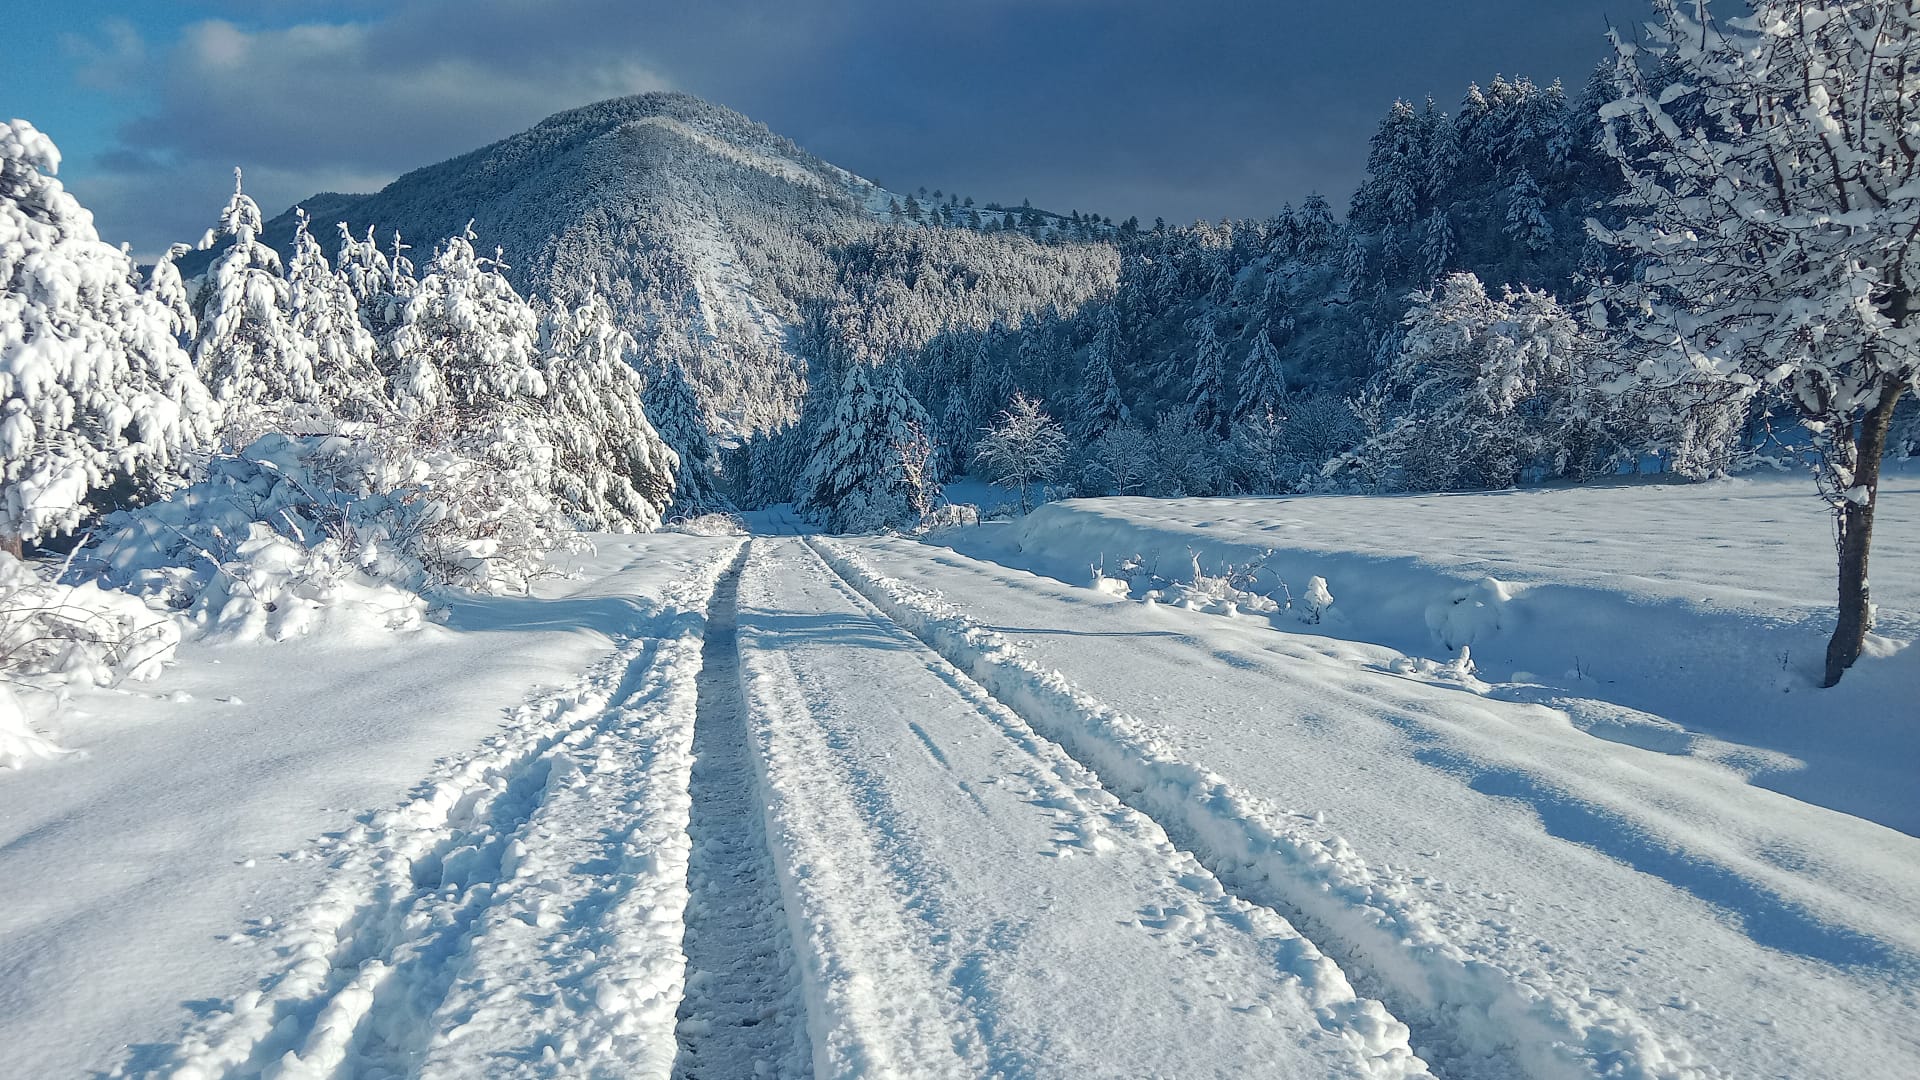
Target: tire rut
x=742, y=1015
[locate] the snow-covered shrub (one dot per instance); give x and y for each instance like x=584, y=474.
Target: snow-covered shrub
x=77, y=633
x=1482, y=391
x=93, y=383
x=296, y=529
x=54, y=635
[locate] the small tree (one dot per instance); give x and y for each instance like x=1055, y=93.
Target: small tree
x=1772, y=200
x=1023, y=447
x=917, y=469
x=248, y=350
x=326, y=314
x=93, y=382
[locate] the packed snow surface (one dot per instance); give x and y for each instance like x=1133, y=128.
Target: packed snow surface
x=1200, y=788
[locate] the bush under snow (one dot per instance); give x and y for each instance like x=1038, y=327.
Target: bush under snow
x=55, y=635
x=296, y=529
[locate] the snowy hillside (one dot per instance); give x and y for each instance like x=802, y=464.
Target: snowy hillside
x=709, y=234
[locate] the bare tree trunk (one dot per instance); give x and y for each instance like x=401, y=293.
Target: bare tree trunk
x=1855, y=520
x=11, y=545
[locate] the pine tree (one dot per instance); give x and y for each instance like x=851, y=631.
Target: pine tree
x=95, y=383
x=610, y=468
x=1262, y=386
x=1527, y=215
x=467, y=343
x=1100, y=407
x=681, y=420
x=326, y=315
x=956, y=428
x=1206, y=394
x=248, y=352
x=854, y=480
x=1438, y=249
x=1356, y=269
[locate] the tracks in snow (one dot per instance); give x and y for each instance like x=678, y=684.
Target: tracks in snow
x=1477, y=1019
x=742, y=1015
x=521, y=915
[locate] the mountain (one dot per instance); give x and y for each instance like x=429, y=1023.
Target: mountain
x=711, y=236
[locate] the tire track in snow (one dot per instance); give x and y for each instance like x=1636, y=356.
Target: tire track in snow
x=397, y=947
x=742, y=1015
x=1476, y=1018
x=867, y=984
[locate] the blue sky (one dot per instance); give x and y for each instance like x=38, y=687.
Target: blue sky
x=1197, y=109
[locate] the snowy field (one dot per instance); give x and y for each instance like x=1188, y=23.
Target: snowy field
x=1685, y=619
x=871, y=806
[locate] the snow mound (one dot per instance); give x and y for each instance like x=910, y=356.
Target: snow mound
x=53, y=636
x=299, y=531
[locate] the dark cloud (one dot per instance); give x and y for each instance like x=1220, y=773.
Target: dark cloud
x=1124, y=107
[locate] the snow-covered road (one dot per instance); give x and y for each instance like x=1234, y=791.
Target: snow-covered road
x=801, y=806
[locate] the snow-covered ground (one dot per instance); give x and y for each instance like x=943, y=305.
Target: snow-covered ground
x=1689, y=619
x=262, y=798
x=878, y=807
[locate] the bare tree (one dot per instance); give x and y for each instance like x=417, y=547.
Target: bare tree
x=1024, y=446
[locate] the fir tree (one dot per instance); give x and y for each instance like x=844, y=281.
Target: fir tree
x=1262, y=386
x=677, y=414
x=610, y=468
x=96, y=386
x=1527, y=214
x=327, y=316
x=248, y=351
x=854, y=481
x=1100, y=407
x=1206, y=395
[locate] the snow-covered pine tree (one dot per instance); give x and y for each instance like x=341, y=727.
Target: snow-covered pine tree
x=956, y=431
x=1438, y=248
x=1356, y=269
x=1099, y=408
x=326, y=315
x=1207, y=392
x=1023, y=447
x=854, y=479
x=611, y=469
x=1527, y=223
x=93, y=382
x=248, y=352
x=679, y=418
x=1262, y=387
x=467, y=344
x=167, y=290
x=1778, y=229
x=380, y=290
